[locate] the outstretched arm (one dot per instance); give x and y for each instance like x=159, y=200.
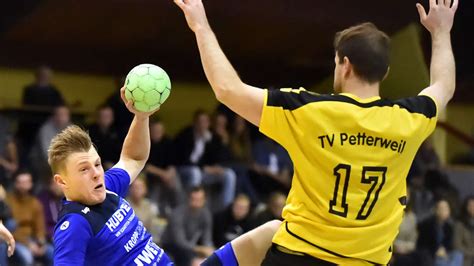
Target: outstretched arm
x=245, y=100
x=439, y=22
x=136, y=147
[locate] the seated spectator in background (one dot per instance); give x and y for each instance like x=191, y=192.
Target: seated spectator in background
x=162, y=178
x=232, y=222
x=272, y=169
x=200, y=160
x=145, y=210
x=50, y=198
x=436, y=236
x=105, y=137
x=404, y=247
x=272, y=211
x=59, y=120
x=39, y=94
x=8, y=153
x=188, y=236
x=464, y=232
x=422, y=199
x=122, y=117
x=30, y=229
x=241, y=149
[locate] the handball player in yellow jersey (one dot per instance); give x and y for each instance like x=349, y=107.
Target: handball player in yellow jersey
x=351, y=150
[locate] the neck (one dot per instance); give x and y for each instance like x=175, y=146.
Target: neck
x=361, y=89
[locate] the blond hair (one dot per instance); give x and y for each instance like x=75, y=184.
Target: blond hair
x=72, y=139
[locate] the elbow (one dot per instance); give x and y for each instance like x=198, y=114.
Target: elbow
x=222, y=93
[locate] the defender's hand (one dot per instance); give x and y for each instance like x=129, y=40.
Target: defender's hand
x=194, y=12
x=440, y=17
x=131, y=108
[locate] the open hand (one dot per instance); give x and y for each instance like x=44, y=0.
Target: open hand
x=440, y=17
x=194, y=12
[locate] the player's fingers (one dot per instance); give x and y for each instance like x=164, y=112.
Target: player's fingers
x=179, y=3
x=446, y=2
x=455, y=5
x=11, y=245
x=433, y=3
x=421, y=11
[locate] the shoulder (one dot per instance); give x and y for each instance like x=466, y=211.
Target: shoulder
x=420, y=104
x=73, y=223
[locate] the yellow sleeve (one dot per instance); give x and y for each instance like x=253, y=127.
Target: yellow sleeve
x=279, y=120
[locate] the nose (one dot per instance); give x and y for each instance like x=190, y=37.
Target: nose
x=96, y=174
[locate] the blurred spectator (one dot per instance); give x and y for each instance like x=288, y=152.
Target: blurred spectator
x=273, y=211
x=50, y=198
x=28, y=214
x=189, y=232
x=232, y=222
x=122, y=117
x=39, y=154
x=42, y=92
x=39, y=94
x=272, y=168
x=241, y=150
x=105, y=137
x=199, y=155
x=421, y=198
x=8, y=153
x=404, y=253
x=162, y=177
x=436, y=236
x=464, y=232
x=145, y=210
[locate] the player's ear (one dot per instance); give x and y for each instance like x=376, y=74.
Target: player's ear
x=346, y=67
x=60, y=181
x=386, y=73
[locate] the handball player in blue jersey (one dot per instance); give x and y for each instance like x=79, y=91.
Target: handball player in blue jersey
x=97, y=226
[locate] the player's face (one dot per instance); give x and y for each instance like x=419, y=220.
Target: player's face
x=337, y=75
x=84, y=178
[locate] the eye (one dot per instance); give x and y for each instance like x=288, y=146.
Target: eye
x=97, y=164
x=83, y=169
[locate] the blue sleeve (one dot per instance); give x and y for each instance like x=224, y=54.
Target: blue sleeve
x=71, y=237
x=117, y=180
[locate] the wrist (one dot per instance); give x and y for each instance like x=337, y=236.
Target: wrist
x=440, y=34
x=202, y=29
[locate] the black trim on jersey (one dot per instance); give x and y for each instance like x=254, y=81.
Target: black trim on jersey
x=420, y=104
x=321, y=248
x=213, y=260
x=97, y=215
x=403, y=200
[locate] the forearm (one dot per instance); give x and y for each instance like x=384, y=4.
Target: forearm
x=220, y=73
x=155, y=170
x=443, y=69
x=136, y=146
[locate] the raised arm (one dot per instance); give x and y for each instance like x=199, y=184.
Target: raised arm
x=136, y=147
x=439, y=22
x=245, y=100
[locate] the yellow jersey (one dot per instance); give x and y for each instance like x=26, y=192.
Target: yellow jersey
x=351, y=158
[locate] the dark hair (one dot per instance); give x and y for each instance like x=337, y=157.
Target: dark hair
x=195, y=189
x=464, y=214
x=367, y=48
x=20, y=172
x=198, y=113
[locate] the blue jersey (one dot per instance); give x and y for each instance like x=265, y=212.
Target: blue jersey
x=108, y=233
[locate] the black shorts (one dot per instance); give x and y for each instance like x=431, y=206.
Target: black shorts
x=276, y=257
